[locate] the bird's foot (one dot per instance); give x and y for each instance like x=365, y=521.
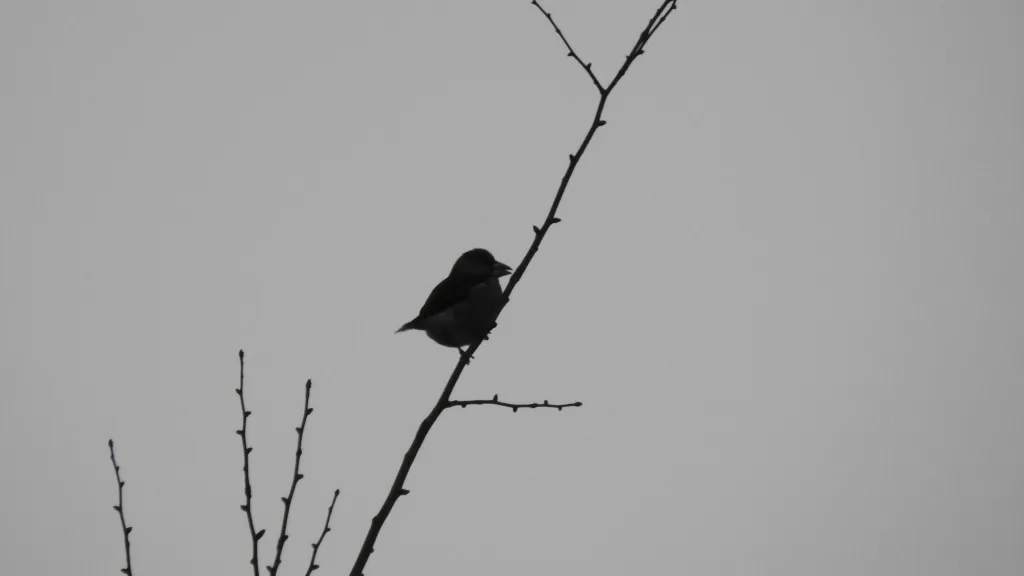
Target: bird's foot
x=465, y=356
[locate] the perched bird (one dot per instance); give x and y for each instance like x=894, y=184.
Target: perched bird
x=462, y=308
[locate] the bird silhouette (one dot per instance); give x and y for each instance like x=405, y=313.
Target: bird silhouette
x=462, y=308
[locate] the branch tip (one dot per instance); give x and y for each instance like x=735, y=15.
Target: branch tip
x=119, y=508
x=296, y=476
x=572, y=53
x=247, y=484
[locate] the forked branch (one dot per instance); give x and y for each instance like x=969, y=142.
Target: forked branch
x=444, y=401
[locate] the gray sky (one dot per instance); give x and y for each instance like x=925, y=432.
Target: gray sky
x=787, y=287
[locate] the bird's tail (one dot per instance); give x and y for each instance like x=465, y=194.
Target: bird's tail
x=410, y=325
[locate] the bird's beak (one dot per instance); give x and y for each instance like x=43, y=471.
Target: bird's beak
x=501, y=270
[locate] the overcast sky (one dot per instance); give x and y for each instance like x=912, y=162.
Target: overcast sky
x=787, y=287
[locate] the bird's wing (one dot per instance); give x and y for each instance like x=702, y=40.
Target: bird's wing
x=449, y=292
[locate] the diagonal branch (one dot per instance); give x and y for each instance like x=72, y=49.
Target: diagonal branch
x=397, y=487
x=444, y=401
x=572, y=53
x=666, y=8
x=515, y=407
x=127, y=570
x=661, y=15
x=327, y=528
x=296, y=476
x=246, y=449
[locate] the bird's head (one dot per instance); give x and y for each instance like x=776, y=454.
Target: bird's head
x=479, y=262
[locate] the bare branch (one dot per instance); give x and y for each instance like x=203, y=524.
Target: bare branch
x=444, y=401
x=397, y=487
x=666, y=8
x=247, y=507
x=515, y=407
x=327, y=528
x=572, y=53
x=127, y=570
x=661, y=20
x=296, y=476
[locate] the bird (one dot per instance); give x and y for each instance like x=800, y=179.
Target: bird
x=462, y=308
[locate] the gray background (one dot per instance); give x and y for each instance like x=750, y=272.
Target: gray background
x=787, y=288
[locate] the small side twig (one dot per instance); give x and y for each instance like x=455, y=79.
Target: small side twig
x=296, y=476
x=120, y=511
x=515, y=407
x=327, y=528
x=246, y=449
x=572, y=53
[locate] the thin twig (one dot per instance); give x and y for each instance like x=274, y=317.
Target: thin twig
x=661, y=20
x=515, y=407
x=572, y=53
x=247, y=507
x=666, y=8
x=127, y=570
x=327, y=528
x=444, y=401
x=296, y=476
